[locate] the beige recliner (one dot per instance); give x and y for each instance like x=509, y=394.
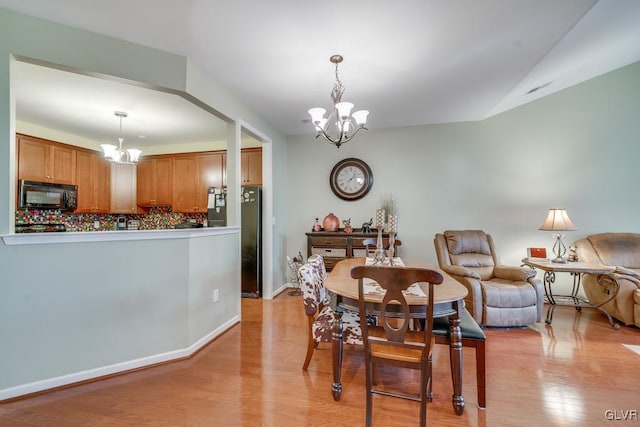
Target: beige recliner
x=621, y=250
x=499, y=295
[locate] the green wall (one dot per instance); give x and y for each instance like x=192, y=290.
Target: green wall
x=576, y=149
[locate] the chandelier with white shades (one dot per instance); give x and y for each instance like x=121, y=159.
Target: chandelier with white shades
x=341, y=125
x=115, y=153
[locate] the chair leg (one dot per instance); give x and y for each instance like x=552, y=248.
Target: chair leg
x=369, y=367
x=424, y=386
x=310, y=347
x=430, y=381
x=481, y=378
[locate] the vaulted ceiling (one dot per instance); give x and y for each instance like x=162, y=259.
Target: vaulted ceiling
x=410, y=62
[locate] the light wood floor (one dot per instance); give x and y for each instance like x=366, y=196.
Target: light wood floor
x=567, y=374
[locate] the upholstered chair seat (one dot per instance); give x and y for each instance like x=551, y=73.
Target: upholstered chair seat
x=499, y=295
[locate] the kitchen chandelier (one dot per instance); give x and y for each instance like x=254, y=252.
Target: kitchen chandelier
x=340, y=126
x=116, y=154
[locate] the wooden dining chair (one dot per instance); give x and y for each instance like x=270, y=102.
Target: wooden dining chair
x=321, y=316
x=391, y=342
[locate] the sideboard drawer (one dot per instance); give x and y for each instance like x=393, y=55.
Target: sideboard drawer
x=329, y=252
x=359, y=253
x=328, y=241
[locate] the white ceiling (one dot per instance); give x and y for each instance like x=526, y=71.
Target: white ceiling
x=410, y=62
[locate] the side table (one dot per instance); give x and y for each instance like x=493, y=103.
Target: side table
x=576, y=269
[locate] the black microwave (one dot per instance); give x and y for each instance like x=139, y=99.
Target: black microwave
x=47, y=195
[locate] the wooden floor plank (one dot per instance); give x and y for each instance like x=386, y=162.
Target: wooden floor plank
x=568, y=373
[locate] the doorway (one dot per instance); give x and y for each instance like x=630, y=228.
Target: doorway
x=253, y=213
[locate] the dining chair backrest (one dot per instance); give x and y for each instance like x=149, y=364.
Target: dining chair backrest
x=308, y=284
x=317, y=263
x=393, y=343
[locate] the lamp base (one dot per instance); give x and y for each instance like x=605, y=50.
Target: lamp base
x=559, y=260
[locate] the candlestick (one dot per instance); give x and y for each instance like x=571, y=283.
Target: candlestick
x=392, y=223
x=379, y=218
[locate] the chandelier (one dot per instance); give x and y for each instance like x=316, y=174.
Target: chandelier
x=341, y=125
x=116, y=154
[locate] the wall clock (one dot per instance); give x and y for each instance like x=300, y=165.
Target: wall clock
x=351, y=179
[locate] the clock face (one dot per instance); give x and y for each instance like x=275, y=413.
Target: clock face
x=351, y=179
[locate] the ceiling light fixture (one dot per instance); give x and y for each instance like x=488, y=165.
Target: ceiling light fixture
x=116, y=154
x=340, y=126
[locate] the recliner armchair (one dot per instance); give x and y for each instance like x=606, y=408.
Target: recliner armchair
x=499, y=295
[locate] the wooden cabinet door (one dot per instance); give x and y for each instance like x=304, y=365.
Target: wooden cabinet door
x=144, y=190
x=155, y=182
x=185, y=184
x=85, y=179
x=63, y=165
x=32, y=160
x=123, y=188
x=92, y=179
x=251, y=166
x=163, y=172
x=210, y=174
x=102, y=184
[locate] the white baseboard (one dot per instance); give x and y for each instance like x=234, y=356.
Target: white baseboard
x=281, y=289
x=103, y=371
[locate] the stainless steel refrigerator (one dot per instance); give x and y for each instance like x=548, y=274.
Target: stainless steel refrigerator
x=251, y=213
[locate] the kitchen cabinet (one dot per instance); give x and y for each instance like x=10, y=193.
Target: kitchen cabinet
x=251, y=166
x=92, y=176
x=192, y=175
x=123, y=179
x=155, y=181
x=211, y=171
x=45, y=161
x=185, y=185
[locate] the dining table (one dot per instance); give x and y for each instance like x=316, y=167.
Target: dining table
x=448, y=302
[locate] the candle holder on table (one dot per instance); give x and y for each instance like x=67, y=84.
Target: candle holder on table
x=392, y=224
x=379, y=255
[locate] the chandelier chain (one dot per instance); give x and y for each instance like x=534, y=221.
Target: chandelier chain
x=338, y=88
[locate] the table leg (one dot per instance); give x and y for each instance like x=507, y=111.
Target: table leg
x=575, y=290
x=336, y=347
x=455, y=356
x=549, y=280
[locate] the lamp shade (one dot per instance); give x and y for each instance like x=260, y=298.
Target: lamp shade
x=557, y=220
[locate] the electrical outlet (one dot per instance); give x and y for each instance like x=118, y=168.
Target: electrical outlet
x=216, y=295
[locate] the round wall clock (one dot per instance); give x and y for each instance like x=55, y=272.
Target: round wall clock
x=351, y=179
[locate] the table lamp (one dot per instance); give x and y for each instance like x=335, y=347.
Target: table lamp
x=558, y=220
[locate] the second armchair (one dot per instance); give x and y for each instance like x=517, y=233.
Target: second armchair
x=499, y=295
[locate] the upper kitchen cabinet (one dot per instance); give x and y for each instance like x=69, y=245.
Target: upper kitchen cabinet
x=211, y=172
x=92, y=176
x=185, y=184
x=45, y=161
x=192, y=175
x=251, y=167
x=123, y=188
x=155, y=181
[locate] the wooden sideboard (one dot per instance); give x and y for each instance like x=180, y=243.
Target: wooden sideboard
x=336, y=246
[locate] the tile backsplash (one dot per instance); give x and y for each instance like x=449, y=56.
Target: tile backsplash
x=160, y=218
